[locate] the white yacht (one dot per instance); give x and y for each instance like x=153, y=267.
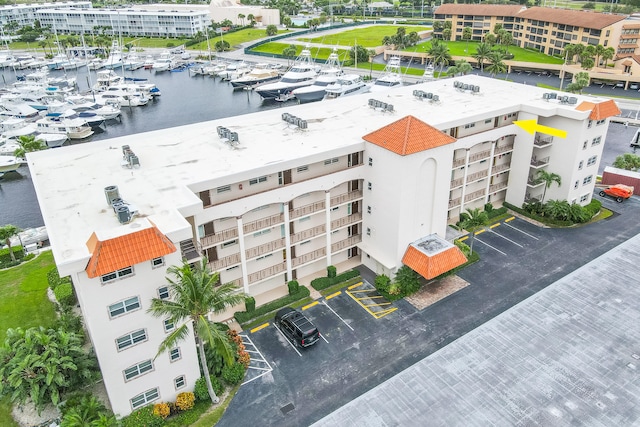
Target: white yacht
x=8, y=164
x=261, y=73
x=392, y=76
x=133, y=62
x=8, y=147
x=114, y=60
x=6, y=58
x=164, y=62
x=303, y=73
x=329, y=73
x=120, y=98
x=96, y=64
x=347, y=84
x=73, y=128
x=15, y=127
x=52, y=140
x=234, y=71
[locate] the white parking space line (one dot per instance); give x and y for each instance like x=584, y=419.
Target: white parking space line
x=245, y=338
x=287, y=340
x=322, y=336
x=506, y=238
x=343, y=321
x=523, y=232
x=486, y=244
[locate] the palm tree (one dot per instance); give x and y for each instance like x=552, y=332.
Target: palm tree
x=482, y=52
x=439, y=54
x=506, y=38
x=28, y=144
x=496, y=66
x=474, y=218
x=6, y=233
x=466, y=35
x=490, y=39
x=542, y=176
x=241, y=17
x=461, y=67
x=599, y=52
x=194, y=295
x=608, y=54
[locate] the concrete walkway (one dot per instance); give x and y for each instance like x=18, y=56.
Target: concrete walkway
x=569, y=355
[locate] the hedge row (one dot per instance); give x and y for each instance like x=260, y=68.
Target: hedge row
x=543, y=219
x=496, y=212
x=5, y=256
x=54, y=278
x=244, y=316
x=321, y=283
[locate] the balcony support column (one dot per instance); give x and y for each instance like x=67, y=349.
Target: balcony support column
x=327, y=213
x=491, y=162
x=243, y=257
x=464, y=180
x=287, y=240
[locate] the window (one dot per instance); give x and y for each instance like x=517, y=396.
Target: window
x=589, y=123
x=584, y=198
x=174, y=354
x=163, y=292
x=232, y=268
x=488, y=121
x=587, y=180
x=168, y=325
x=329, y=161
x=264, y=256
x=584, y=145
x=223, y=189
x=369, y=185
x=144, y=398
x=117, y=275
x=131, y=338
x=469, y=125
x=179, y=382
x=137, y=370
x=229, y=243
x=258, y=180
x=303, y=168
x=370, y=161
x=305, y=242
x=596, y=141
x=580, y=164
x=592, y=160
x=123, y=307
x=304, y=218
x=368, y=209
x=260, y=233
x=600, y=122
x=368, y=231
x=575, y=184
x=157, y=262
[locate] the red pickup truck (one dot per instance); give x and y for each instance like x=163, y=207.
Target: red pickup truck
x=619, y=192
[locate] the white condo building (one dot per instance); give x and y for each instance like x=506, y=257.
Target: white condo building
x=25, y=14
x=281, y=194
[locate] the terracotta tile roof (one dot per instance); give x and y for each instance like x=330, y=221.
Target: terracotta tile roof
x=124, y=251
x=577, y=18
x=408, y=136
x=601, y=110
x=432, y=264
x=479, y=9
x=630, y=27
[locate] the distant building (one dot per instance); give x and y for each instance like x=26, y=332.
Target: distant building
x=282, y=194
x=25, y=14
x=230, y=9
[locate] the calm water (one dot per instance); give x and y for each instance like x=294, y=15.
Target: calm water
x=184, y=100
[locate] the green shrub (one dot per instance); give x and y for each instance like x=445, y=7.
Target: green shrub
x=54, y=278
x=321, y=283
x=382, y=283
x=201, y=392
x=233, y=374
x=29, y=257
x=488, y=207
x=64, y=295
x=68, y=321
x=592, y=208
x=142, y=417
x=5, y=256
x=243, y=316
x=466, y=250
x=294, y=287
x=493, y=213
x=250, y=304
x=331, y=271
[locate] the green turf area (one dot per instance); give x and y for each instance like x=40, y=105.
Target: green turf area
x=519, y=54
x=316, y=53
x=367, y=37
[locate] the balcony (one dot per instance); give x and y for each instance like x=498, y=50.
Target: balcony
x=262, y=223
x=477, y=176
x=476, y=157
x=267, y=272
x=346, y=220
x=533, y=182
x=500, y=168
x=306, y=210
x=265, y=248
x=458, y=162
x=220, y=236
x=457, y=182
x=530, y=198
x=306, y=258
x=503, y=148
x=475, y=195
x=497, y=187
x=308, y=234
x=225, y=262
x=190, y=249
x=454, y=202
x=346, y=243
x=237, y=282
x=538, y=163
x=542, y=141
x=346, y=197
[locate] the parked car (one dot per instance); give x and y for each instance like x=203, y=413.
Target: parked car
x=619, y=192
x=620, y=84
x=296, y=327
x=633, y=86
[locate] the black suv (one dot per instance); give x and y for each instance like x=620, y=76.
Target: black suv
x=295, y=326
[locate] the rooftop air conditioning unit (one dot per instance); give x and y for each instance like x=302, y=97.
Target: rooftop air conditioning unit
x=111, y=192
x=124, y=214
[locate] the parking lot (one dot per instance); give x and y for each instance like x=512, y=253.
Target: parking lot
x=508, y=238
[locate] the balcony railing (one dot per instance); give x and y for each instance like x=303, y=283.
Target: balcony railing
x=220, y=236
x=225, y=261
x=475, y=195
x=500, y=168
x=346, y=197
x=190, y=249
x=308, y=234
x=497, y=187
x=265, y=248
x=535, y=162
x=454, y=202
x=237, y=282
x=475, y=157
x=457, y=182
x=458, y=162
x=528, y=197
x=503, y=148
x=306, y=209
x=346, y=220
x=262, y=223
x=532, y=182
x=542, y=141
x=476, y=176
x=267, y=272
x=311, y=256
x=346, y=243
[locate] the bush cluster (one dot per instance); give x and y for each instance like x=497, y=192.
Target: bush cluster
x=331, y=271
x=142, y=417
x=293, y=286
x=321, y=283
x=55, y=280
x=161, y=410
x=249, y=304
x=559, y=212
x=5, y=256
x=185, y=401
x=233, y=374
x=64, y=295
x=244, y=317
x=200, y=391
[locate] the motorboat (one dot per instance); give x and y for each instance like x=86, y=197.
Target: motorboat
x=8, y=147
x=17, y=109
x=108, y=111
x=234, y=70
x=329, y=73
x=74, y=128
x=216, y=68
x=6, y=58
x=347, y=84
x=428, y=73
x=55, y=63
x=115, y=59
x=302, y=73
x=133, y=62
x=122, y=98
x=9, y=164
x=261, y=73
x=15, y=127
x=95, y=64
x=73, y=64
x=392, y=76
x=164, y=62
x=148, y=62
x=52, y=140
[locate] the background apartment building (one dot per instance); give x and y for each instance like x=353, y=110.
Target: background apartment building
x=281, y=194
x=25, y=14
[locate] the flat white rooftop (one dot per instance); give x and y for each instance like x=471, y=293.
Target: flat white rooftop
x=178, y=162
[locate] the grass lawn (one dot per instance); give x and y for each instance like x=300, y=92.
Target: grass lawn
x=317, y=53
x=519, y=54
x=367, y=37
x=24, y=303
